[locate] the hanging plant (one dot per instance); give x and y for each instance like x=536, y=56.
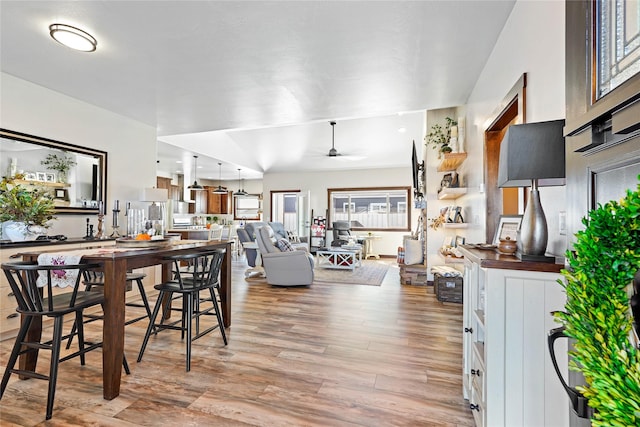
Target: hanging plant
x=597, y=312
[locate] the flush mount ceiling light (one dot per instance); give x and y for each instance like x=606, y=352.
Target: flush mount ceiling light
x=73, y=37
x=195, y=185
x=240, y=192
x=220, y=189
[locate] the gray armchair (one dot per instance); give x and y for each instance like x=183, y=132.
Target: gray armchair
x=289, y=268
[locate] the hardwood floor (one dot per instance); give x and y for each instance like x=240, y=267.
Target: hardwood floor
x=325, y=355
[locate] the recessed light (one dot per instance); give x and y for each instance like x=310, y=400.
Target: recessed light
x=73, y=37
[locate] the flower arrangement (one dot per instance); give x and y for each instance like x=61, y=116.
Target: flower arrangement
x=31, y=206
x=60, y=163
x=439, y=137
x=597, y=314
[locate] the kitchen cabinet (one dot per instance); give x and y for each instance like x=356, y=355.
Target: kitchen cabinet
x=201, y=201
x=508, y=376
x=217, y=203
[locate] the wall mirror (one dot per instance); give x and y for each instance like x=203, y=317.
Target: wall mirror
x=75, y=176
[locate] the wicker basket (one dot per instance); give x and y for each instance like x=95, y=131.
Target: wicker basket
x=448, y=289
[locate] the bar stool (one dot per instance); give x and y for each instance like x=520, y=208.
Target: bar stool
x=201, y=275
x=32, y=285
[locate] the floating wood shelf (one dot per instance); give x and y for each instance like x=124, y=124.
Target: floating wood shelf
x=41, y=183
x=450, y=259
x=451, y=161
x=455, y=225
x=451, y=193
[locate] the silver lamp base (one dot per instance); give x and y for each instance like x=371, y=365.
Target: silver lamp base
x=533, y=234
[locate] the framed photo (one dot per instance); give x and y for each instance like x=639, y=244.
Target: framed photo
x=41, y=176
x=459, y=241
x=508, y=225
x=30, y=176
x=50, y=177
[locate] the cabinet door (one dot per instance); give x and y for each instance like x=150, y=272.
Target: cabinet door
x=162, y=182
x=214, y=204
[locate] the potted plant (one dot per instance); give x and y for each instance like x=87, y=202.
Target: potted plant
x=439, y=137
x=597, y=313
x=60, y=163
x=24, y=211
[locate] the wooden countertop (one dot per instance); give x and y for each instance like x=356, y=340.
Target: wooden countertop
x=491, y=258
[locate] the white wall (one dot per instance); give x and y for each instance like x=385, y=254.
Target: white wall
x=131, y=146
x=531, y=42
x=318, y=182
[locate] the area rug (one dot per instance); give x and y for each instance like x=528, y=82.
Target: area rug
x=370, y=273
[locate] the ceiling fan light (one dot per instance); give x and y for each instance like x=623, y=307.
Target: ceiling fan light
x=73, y=37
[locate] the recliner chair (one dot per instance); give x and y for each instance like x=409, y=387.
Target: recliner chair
x=288, y=268
x=341, y=233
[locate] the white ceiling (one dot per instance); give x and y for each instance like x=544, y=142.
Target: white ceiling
x=254, y=84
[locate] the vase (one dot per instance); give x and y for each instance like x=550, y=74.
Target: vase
x=21, y=232
x=62, y=177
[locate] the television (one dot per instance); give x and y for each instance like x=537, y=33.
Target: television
x=416, y=167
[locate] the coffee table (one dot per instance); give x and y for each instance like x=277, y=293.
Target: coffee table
x=339, y=258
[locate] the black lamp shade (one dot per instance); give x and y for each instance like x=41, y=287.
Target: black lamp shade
x=532, y=151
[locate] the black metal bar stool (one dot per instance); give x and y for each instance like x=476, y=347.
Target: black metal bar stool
x=32, y=285
x=201, y=274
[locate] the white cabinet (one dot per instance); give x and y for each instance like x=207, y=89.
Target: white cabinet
x=508, y=376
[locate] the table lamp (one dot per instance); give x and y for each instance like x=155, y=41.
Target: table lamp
x=532, y=154
x=156, y=213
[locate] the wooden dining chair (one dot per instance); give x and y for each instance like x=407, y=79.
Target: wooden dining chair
x=200, y=275
x=33, y=286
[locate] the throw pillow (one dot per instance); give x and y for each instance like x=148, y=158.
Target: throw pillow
x=413, y=252
x=284, y=245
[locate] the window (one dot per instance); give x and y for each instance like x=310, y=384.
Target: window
x=247, y=207
x=617, y=43
x=371, y=208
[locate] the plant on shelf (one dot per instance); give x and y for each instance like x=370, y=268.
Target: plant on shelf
x=439, y=137
x=27, y=210
x=597, y=313
x=60, y=163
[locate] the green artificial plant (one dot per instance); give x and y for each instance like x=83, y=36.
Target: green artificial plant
x=30, y=205
x=597, y=313
x=439, y=137
x=60, y=163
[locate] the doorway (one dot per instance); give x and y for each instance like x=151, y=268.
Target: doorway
x=502, y=201
x=290, y=207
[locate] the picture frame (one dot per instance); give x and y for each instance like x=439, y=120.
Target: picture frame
x=30, y=176
x=61, y=193
x=50, y=177
x=459, y=241
x=508, y=226
x=41, y=176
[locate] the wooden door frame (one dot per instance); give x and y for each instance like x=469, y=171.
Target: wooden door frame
x=512, y=110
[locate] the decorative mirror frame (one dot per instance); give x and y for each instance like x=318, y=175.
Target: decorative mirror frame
x=50, y=143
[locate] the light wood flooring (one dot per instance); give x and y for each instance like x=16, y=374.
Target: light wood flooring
x=325, y=355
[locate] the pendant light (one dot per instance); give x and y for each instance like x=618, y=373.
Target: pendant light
x=220, y=189
x=240, y=192
x=195, y=185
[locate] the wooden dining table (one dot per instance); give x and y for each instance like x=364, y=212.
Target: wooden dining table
x=115, y=263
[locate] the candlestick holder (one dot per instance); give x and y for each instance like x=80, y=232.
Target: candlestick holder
x=115, y=224
x=100, y=234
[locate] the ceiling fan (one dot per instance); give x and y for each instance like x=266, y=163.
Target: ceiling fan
x=333, y=152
